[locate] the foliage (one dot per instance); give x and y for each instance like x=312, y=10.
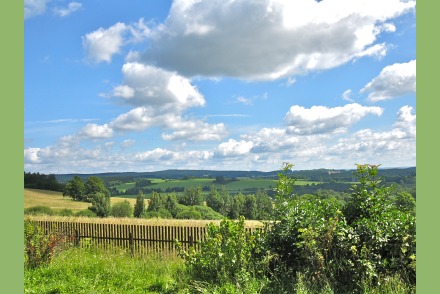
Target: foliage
x=39, y=248
x=100, y=204
x=139, y=207
x=369, y=239
x=227, y=257
x=121, y=209
x=93, y=186
x=86, y=213
x=192, y=196
x=42, y=181
x=39, y=210
x=75, y=188
x=189, y=213
x=160, y=213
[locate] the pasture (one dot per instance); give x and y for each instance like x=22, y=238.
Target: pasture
x=56, y=200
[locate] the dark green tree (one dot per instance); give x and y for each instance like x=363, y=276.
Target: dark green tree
x=75, y=188
x=192, y=196
x=100, y=204
x=156, y=202
x=95, y=185
x=139, y=207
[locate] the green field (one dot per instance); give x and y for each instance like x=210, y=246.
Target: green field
x=244, y=185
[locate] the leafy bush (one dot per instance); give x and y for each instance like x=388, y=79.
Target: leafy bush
x=86, y=213
x=65, y=212
x=39, y=210
x=227, y=258
x=189, y=213
x=208, y=212
x=345, y=248
x=161, y=213
x=38, y=247
x=100, y=204
x=122, y=209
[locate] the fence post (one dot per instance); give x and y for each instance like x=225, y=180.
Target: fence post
x=130, y=239
x=190, y=239
x=76, y=238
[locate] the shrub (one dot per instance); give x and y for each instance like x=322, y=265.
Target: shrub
x=65, y=212
x=100, y=204
x=38, y=247
x=86, y=213
x=39, y=210
x=122, y=209
x=161, y=213
x=228, y=257
x=189, y=213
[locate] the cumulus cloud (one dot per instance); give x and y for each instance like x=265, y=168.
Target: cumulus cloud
x=394, y=80
x=94, y=131
x=146, y=85
x=34, y=7
x=269, y=39
x=194, y=130
x=102, y=44
x=234, y=148
x=71, y=8
x=321, y=119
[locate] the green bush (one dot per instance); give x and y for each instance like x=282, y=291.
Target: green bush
x=65, y=212
x=227, y=258
x=189, y=213
x=86, y=213
x=39, y=248
x=208, y=213
x=161, y=213
x=121, y=209
x=39, y=210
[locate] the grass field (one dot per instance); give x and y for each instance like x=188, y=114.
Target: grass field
x=56, y=200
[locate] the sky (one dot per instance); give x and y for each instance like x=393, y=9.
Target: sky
x=133, y=86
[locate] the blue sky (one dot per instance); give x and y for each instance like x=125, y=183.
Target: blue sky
x=231, y=85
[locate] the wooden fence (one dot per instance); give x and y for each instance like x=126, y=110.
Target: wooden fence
x=139, y=239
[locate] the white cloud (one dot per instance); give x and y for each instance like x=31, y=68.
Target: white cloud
x=102, y=44
x=234, y=148
x=394, y=80
x=71, y=8
x=219, y=38
x=136, y=119
x=94, y=131
x=34, y=7
x=193, y=130
x=127, y=143
x=346, y=96
x=243, y=100
x=321, y=119
x=146, y=85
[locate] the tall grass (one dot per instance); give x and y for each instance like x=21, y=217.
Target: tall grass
x=91, y=270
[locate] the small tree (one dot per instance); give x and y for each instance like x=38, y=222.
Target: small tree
x=100, y=204
x=139, y=207
x=122, y=209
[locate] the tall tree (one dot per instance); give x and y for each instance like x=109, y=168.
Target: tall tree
x=95, y=185
x=139, y=206
x=100, y=204
x=75, y=188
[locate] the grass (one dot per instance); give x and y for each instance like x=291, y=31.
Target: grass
x=56, y=200
x=138, y=221
x=91, y=270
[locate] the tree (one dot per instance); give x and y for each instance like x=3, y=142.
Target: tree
x=100, y=204
x=139, y=207
x=156, y=202
x=192, y=196
x=75, y=188
x=95, y=185
x=122, y=209
x=250, y=207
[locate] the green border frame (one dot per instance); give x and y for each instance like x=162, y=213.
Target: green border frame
x=12, y=161
x=427, y=162
x=12, y=26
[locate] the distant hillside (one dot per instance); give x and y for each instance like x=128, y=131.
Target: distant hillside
x=324, y=175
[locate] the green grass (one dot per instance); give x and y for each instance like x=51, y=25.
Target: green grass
x=96, y=271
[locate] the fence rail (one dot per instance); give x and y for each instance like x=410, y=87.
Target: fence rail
x=139, y=239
